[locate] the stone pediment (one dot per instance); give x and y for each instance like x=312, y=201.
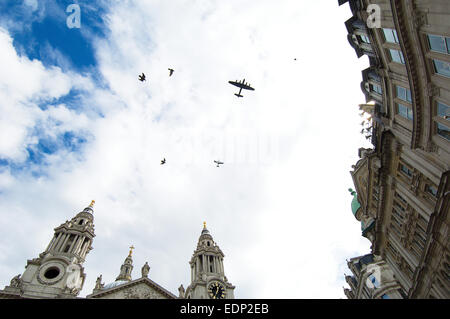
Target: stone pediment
x=142, y=288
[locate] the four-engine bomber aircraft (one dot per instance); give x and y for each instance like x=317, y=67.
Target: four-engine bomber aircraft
x=241, y=85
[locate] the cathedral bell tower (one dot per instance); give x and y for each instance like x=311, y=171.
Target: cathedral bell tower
x=126, y=268
x=208, y=280
x=58, y=271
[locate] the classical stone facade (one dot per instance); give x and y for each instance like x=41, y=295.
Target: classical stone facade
x=402, y=184
x=58, y=271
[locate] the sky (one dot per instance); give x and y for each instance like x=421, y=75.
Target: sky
x=76, y=125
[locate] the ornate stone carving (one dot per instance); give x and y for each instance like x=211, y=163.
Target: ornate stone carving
x=98, y=284
x=181, y=291
x=431, y=147
x=432, y=89
x=16, y=282
x=419, y=19
x=145, y=270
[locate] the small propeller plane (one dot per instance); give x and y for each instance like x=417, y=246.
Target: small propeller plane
x=142, y=77
x=241, y=85
x=218, y=163
x=163, y=161
x=170, y=71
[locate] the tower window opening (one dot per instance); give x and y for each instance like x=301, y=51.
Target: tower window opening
x=51, y=273
x=208, y=243
x=211, y=261
x=69, y=243
x=81, y=222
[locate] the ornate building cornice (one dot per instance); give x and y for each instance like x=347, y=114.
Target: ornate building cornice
x=401, y=15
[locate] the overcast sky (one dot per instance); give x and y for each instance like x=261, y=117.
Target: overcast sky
x=76, y=125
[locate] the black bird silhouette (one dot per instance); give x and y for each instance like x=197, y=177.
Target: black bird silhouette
x=218, y=163
x=163, y=161
x=170, y=71
x=142, y=77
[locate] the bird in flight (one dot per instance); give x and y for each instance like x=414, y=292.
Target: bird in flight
x=241, y=85
x=142, y=77
x=163, y=161
x=170, y=71
x=218, y=163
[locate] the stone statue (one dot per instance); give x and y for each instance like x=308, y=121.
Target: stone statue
x=145, y=269
x=181, y=291
x=16, y=282
x=98, y=283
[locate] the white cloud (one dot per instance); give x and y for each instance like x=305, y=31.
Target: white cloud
x=25, y=84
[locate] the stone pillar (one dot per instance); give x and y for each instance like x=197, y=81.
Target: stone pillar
x=61, y=241
x=73, y=243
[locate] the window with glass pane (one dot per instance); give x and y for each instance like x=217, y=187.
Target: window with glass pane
x=439, y=43
x=376, y=88
x=403, y=93
x=404, y=111
x=442, y=67
x=364, y=38
x=397, y=56
x=443, y=131
x=405, y=170
x=431, y=189
x=390, y=35
x=443, y=110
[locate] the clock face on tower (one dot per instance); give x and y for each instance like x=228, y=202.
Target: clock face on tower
x=216, y=290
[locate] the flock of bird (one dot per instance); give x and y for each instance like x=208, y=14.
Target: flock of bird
x=240, y=84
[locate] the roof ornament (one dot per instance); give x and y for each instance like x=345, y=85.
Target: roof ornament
x=131, y=250
x=204, y=225
x=92, y=204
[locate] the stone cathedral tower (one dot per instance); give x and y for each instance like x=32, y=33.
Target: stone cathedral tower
x=58, y=271
x=208, y=280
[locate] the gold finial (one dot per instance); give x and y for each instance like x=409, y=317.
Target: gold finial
x=92, y=203
x=131, y=250
x=204, y=225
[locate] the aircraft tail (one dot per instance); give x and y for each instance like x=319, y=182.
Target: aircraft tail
x=238, y=95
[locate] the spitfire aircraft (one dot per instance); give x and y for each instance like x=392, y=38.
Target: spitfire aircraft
x=142, y=77
x=241, y=85
x=163, y=161
x=170, y=72
x=218, y=163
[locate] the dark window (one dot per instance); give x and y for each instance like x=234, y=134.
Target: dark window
x=390, y=35
x=397, y=56
x=404, y=111
x=51, y=273
x=405, y=170
x=443, y=131
x=376, y=88
x=364, y=38
x=443, y=110
x=403, y=93
x=430, y=189
x=439, y=43
x=442, y=67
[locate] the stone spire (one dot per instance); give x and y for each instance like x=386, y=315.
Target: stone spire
x=207, y=268
x=126, y=268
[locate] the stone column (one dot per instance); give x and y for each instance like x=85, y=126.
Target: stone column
x=73, y=243
x=61, y=241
